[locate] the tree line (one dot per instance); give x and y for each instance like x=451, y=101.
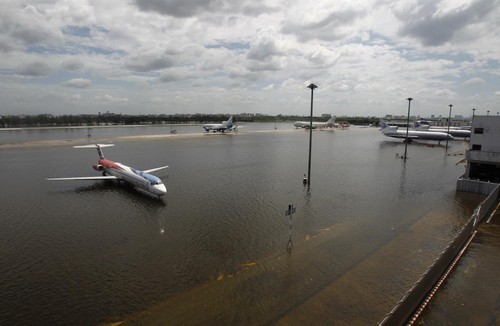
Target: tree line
x=49, y=120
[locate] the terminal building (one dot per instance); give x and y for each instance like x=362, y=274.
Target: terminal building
x=483, y=156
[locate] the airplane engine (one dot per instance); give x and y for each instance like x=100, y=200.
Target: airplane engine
x=98, y=167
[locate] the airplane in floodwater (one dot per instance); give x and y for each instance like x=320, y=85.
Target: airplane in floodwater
x=304, y=124
x=392, y=131
x=117, y=171
x=454, y=131
x=221, y=127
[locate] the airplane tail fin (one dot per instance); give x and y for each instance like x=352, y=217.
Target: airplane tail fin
x=386, y=128
x=229, y=122
x=98, y=146
x=331, y=120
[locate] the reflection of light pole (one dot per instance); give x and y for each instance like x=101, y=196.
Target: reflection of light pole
x=448, y=132
x=407, y=125
x=312, y=87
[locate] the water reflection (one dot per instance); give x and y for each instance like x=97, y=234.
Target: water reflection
x=291, y=210
x=422, y=144
x=402, y=179
x=214, y=243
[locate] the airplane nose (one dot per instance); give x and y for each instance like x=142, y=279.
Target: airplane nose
x=161, y=189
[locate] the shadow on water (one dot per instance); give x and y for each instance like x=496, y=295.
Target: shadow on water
x=135, y=194
x=402, y=180
x=389, y=143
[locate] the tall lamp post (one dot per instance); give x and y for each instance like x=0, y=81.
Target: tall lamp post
x=448, y=132
x=473, y=112
x=407, y=125
x=312, y=87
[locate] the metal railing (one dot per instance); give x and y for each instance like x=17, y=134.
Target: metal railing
x=475, y=186
x=411, y=305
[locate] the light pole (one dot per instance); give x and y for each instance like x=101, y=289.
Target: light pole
x=448, y=132
x=488, y=112
x=473, y=112
x=407, y=125
x=312, y=87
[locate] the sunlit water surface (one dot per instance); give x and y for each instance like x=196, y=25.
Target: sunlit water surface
x=91, y=252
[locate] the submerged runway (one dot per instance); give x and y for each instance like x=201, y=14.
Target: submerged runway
x=213, y=249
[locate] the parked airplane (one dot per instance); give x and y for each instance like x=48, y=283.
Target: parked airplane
x=221, y=127
x=454, y=131
x=392, y=131
x=304, y=124
x=426, y=123
x=117, y=171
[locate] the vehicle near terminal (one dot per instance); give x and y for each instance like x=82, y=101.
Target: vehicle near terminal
x=306, y=125
x=117, y=171
x=220, y=127
x=393, y=131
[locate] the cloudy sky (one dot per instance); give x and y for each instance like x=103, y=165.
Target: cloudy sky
x=225, y=56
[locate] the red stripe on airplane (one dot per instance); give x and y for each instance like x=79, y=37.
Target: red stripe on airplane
x=110, y=164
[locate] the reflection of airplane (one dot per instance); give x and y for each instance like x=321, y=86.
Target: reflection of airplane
x=454, y=131
x=303, y=124
x=222, y=127
x=117, y=171
x=392, y=131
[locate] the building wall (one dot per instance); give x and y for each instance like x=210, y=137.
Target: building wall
x=483, y=155
x=490, y=138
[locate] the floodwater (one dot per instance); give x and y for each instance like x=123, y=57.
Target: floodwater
x=471, y=294
x=213, y=250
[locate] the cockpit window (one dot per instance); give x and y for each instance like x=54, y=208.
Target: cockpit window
x=153, y=180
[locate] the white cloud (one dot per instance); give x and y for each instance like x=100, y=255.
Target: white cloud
x=78, y=83
x=438, y=22
x=73, y=65
x=34, y=69
x=366, y=56
x=474, y=81
x=24, y=25
x=109, y=98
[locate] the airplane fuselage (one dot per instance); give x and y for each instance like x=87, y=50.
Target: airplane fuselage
x=453, y=132
x=216, y=128
x=116, y=171
x=137, y=178
x=413, y=134
x=219, y=127
x=304, y=124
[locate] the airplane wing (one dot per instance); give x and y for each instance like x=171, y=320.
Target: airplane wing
x=156, y=169
x=105, y=177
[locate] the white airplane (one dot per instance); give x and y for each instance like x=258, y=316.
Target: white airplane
x=454, y=131
x=392, y=131
x=222, y=127
x=117, y=171
x=304, y=124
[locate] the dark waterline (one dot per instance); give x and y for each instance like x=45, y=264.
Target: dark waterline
x=96, y=252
